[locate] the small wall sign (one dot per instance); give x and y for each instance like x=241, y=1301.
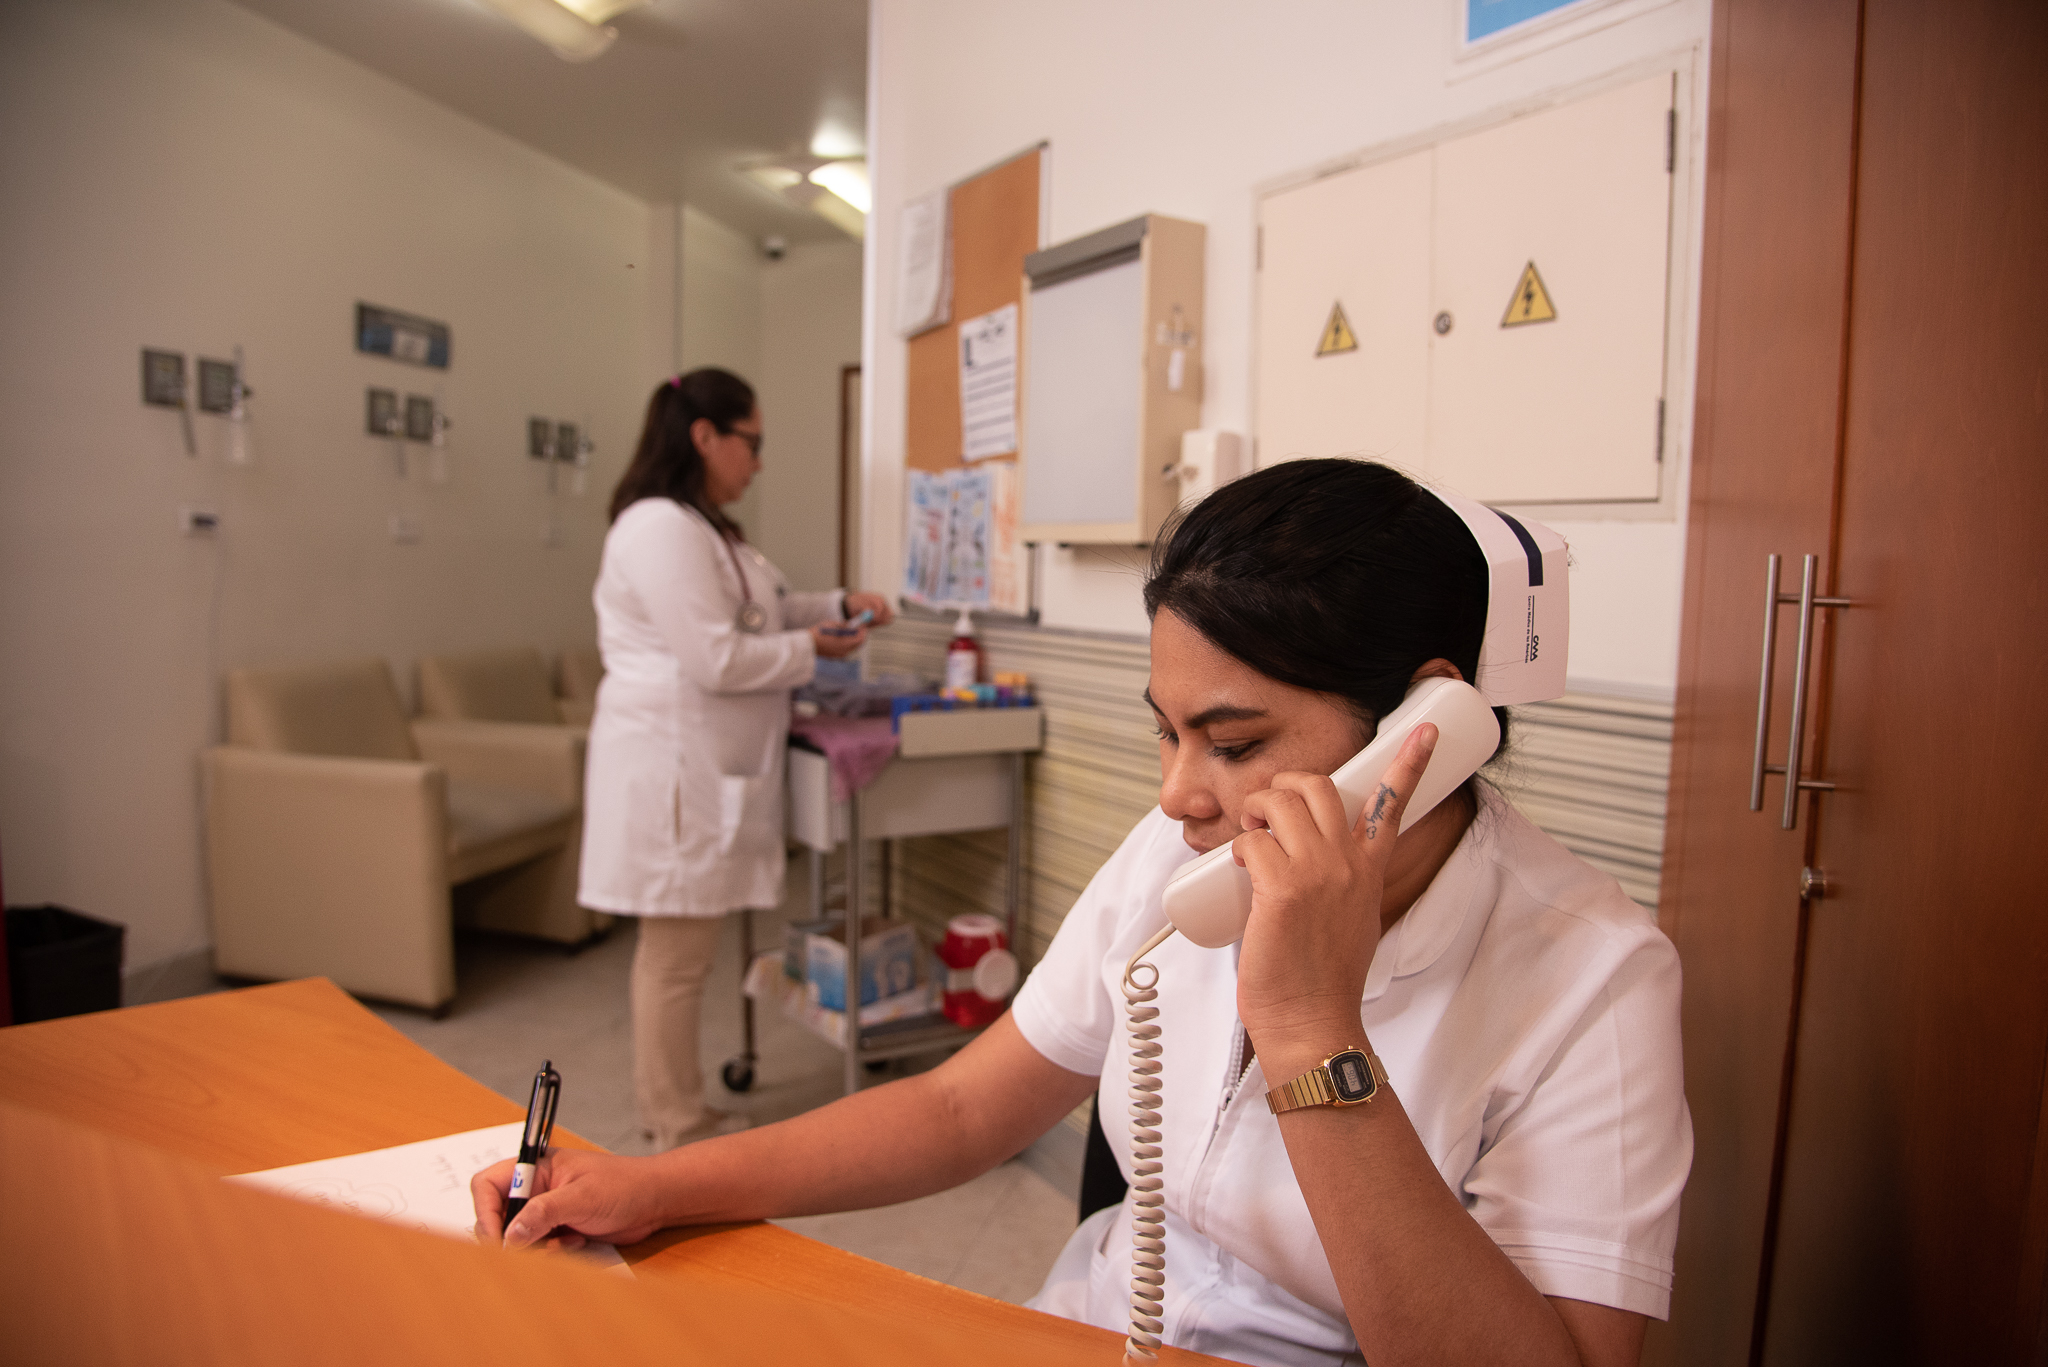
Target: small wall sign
x=401, y=336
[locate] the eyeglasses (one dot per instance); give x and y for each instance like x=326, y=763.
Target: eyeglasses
x=752, y=439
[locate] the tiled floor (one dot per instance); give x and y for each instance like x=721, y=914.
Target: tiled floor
x=521, y=1001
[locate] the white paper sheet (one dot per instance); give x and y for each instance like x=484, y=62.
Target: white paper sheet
x=923, y=275
x=421, y=1186
x=988, y=384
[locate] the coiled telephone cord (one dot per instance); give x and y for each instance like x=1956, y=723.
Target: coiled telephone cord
x=1148, y=1220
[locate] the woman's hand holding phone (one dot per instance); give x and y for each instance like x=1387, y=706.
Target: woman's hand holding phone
x=838, y=642
x=1317, y=886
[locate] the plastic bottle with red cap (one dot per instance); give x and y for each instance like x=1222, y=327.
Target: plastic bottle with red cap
x=981, y=972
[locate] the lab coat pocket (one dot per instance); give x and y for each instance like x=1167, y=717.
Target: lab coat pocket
x=732, y=808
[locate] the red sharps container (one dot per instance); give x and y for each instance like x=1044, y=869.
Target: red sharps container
x=980, y=970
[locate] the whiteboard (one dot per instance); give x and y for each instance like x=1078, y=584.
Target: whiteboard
x=1084, y=379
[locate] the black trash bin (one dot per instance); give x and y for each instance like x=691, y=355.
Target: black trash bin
x=62, y=963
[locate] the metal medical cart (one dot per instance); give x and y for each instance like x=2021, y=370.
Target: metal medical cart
x=953, y=772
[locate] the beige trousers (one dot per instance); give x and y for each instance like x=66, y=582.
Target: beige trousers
x=670, y=962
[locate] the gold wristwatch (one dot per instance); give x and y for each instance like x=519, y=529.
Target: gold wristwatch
x=1349, y=1077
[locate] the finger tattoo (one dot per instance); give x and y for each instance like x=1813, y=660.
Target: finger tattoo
x=1380, y=801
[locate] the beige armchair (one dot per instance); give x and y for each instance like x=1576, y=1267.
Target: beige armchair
x=336, y=832
x=509, y=685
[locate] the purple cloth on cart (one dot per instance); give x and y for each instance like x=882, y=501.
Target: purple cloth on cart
x=856, y=748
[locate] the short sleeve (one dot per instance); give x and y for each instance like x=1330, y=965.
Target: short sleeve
x=1064, y=1008
x=1580, y=1185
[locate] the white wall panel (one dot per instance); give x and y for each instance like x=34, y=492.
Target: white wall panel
x=1563, y=411
x=1359, y=240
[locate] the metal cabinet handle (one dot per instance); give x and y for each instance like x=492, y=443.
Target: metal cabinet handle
x=1774, y=598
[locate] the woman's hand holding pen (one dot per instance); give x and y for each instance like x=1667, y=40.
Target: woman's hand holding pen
x=837, y=640
x=857, y=603
x=582, y=1195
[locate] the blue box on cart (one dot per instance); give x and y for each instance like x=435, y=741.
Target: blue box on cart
x=888, y=962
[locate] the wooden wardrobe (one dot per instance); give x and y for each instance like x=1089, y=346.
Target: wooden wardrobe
x=1866, y=993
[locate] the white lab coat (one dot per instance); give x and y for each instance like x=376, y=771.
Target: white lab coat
x=683, y=786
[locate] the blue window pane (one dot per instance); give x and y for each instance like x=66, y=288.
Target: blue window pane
x=1486, y=17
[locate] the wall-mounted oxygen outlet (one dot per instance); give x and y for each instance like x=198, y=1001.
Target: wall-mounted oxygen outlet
x=380, y=413
x=198, y=521
x=163, y=378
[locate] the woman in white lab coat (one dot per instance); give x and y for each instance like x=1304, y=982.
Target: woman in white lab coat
x=1507, y=1192
x=702, y=642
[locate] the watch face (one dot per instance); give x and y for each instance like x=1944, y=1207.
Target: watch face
x=1352, y=1076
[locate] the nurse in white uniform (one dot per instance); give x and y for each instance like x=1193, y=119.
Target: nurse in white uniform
x=702, y=642
x=1510, y=1193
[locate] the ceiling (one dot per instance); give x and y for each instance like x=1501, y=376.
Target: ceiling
x=690, y=88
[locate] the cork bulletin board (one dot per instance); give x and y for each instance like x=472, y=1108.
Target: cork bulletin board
x=992, y=225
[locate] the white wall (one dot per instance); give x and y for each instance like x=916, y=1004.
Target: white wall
x=786, y=327
x=184, y=174
x=810, y=329
x=1184, y=109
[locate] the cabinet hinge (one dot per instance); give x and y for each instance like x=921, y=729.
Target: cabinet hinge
x=1660, y=431
x=1670, y=141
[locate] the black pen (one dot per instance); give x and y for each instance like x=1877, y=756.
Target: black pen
x=533, y=1141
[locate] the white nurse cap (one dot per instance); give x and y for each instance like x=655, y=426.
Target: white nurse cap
x=1528, y=604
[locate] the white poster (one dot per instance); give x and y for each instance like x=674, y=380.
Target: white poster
x=924, y=268
x=988, y=384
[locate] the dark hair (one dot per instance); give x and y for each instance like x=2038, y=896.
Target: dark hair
x=667, y=463
x=1340, y=576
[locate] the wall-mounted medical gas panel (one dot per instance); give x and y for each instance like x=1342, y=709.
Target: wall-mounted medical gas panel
x=1112, y=378
x=1490, y=313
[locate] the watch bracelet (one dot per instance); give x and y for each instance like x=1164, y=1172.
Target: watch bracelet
x=1313, y=1088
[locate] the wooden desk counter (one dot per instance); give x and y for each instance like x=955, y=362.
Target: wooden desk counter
x=102, y=1108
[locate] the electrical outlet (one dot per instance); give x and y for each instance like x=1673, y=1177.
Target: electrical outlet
x=380, y=417
x=419, y=418
x=198, y=521
x=405, y=530
x=216, y=386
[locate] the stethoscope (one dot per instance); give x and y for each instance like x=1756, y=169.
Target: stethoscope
x=752, y=618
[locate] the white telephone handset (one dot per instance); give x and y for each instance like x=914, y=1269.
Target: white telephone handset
x=1210, y=899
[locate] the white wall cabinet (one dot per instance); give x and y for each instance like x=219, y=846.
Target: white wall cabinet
x=1455, y=367
x=1112, y=378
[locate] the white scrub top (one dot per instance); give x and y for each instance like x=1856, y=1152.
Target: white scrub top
x=683, y=783
x=1527, y=1015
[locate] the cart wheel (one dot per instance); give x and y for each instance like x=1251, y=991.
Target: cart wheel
x=738, y=1075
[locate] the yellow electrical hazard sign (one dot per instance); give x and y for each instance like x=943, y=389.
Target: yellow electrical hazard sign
x=1531, y=302
x=1337, y=334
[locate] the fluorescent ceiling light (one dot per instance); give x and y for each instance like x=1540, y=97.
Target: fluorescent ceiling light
x=835, y=190
x=838, y=213
x=846, y=179
x=773, y=176
x=835, y=140
x=602, y=11
x=573, y=38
